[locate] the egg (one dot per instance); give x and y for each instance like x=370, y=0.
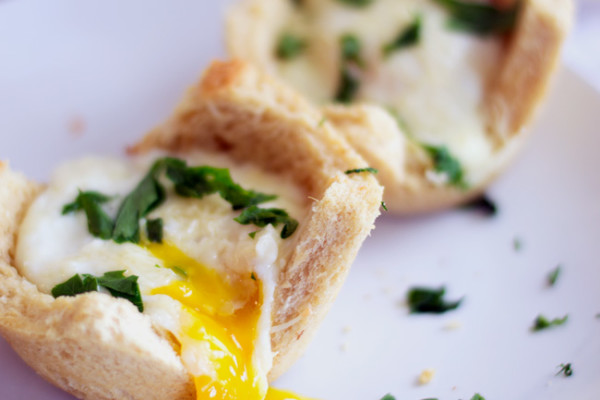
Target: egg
x=436, y=87
x=209, y=283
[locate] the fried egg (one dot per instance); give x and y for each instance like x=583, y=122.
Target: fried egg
x=209, y=283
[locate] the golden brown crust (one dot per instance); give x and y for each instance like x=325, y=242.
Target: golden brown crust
x=98, y=347
x=528, y=61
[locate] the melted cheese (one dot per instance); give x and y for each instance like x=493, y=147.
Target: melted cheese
x=436, y=86
x=197, y=284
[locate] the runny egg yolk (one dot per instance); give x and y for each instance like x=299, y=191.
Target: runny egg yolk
x=211, y=318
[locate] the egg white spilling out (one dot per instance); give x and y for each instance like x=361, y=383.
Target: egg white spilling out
x=210, y=283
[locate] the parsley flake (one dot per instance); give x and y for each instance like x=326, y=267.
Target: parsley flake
x=428, y=300
x=541, y=322
x=348, y=86
x=154, y=230
x=359, y=170
x=477, y=396
x=179, y=271
x=480, y=18
x=99, y=223
x=553, y=275
x=290, y=46
x=262, y=217
x=565, y=369
x=115, y=282
x=444, y=162
x=384, y=206
x=388, y=397
x=409, y=37
x=253, y=276
x=351, y=47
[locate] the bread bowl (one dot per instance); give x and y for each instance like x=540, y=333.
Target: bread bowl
x=457, y=102
x=97, y=346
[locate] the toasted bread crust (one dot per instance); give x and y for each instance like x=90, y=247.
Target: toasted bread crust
x=529, y=59
x=98, y=347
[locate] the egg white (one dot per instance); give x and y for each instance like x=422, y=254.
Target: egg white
x=53, y=247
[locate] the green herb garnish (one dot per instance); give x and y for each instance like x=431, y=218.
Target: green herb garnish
x=484, y=205
x=409, y=37
x=542, y=322
x=179, y=271
x=565, y=369
x=553, y=276
x=428, y=300
x=252, y=234
x=262, y=217
x=154, y=230
x=477, y=396
x=115, y=282
x=147, y=195
x=480, y=18
x=202, y=181
x=384, y=206
x=517, y=244
x=348, y=86
x=253, y=276
x=290, y=46
x=351, y=48
x=99, y=223
x=356, y=3
x=359, y=170
x=446, y=163
x=388, y=397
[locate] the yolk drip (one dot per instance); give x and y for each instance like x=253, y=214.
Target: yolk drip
x=276, y=394
x=209, y=300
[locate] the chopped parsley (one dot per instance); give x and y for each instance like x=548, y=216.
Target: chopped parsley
x=252, y=234
x=428, y=300
x=99, y=223
x=517, y=244
x=388, y=397
x=194, y=182
x=115, y=282
x=409, y=37
x=384, y=206
x=359, y=170
x=356, y=3
x=553, y=275
x=322, y=122
x=484, y=205
x=444, y=162
x=477, y=396
x=262, y=217
x=148, y=195
x=253, y=276
x=348, y=86
x=480, y=18
x=290, y=46
x=154, y=230
x=351, y=48
x=565, y=369
x=179, y=271
x=204, y=180
x=541, y=322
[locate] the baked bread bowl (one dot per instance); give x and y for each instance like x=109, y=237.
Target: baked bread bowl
x=100, y=347
x=437, y=94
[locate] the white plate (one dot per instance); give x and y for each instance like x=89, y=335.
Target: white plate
x=79, y=77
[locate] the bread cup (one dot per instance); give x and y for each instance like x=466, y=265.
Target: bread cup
x=474, y=94
x=95, y=346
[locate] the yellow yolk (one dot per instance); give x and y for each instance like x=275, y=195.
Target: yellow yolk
x=276, y=394
x=212, y=318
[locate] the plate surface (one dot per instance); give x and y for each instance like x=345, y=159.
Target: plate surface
x=91, y=77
